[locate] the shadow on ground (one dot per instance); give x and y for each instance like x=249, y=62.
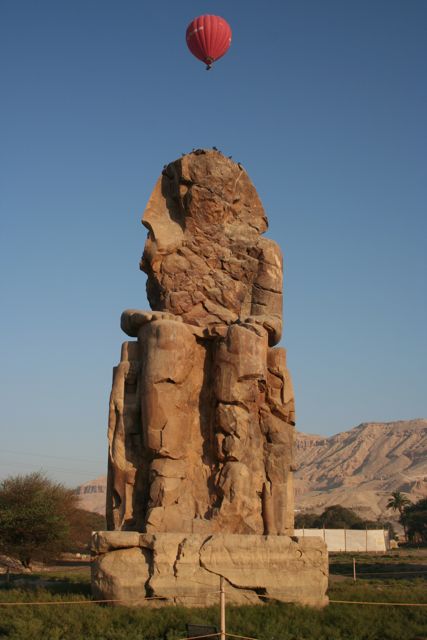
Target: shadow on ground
x=59, y=586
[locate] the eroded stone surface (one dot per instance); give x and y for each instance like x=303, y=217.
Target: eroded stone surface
x=201, y=424
x=280, y=567
x=121, y=575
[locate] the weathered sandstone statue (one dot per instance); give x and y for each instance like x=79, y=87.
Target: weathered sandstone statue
x=201, y=422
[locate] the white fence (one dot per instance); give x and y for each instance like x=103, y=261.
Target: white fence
x=350, y=539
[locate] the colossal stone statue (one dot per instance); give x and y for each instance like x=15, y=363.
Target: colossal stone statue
x=202, y=416
x=201, y=421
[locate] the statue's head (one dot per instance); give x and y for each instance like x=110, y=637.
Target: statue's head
x=204, y=221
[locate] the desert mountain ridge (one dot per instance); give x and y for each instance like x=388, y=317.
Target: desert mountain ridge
x=358, y=469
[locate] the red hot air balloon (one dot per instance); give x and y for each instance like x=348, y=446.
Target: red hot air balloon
x=208, y=38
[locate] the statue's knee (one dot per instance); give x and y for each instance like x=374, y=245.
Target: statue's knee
x=167, y=351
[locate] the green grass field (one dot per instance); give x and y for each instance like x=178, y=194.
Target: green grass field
x=273, y=621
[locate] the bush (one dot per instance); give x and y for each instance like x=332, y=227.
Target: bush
x=82, y=523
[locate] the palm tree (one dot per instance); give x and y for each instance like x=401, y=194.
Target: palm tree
x=398, y=502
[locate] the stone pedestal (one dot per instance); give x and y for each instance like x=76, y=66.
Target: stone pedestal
x=160, y=569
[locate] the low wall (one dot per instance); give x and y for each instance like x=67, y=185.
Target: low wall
x=350, y=539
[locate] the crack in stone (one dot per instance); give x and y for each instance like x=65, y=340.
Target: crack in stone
x=215, y=573
x=256, y=285
x=178, y=557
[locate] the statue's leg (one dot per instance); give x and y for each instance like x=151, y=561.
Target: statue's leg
x=277, y=419
x=240, y=382
x=171, y=381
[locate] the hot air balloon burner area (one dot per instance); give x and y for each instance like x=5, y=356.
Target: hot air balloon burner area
x=201, y=416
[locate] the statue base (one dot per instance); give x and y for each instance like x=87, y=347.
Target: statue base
x=153, y=570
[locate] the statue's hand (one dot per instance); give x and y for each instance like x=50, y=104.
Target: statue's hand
x=272, y=324
x=133, y=319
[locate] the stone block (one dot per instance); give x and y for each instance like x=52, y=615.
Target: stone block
x=176, y=568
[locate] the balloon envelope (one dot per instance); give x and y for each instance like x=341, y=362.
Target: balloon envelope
x=208, y=38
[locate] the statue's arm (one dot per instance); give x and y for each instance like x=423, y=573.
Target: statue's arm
x=267, y=298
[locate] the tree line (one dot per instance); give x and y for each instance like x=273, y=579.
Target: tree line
x=338, y=517
x=412, y=516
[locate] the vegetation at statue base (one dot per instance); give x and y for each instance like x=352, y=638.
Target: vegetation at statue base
x=40, y=518
x=273, y=621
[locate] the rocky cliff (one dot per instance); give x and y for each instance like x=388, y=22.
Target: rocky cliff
x=361, y=467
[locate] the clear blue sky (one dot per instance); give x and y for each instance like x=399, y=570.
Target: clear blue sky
x=325, y=103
